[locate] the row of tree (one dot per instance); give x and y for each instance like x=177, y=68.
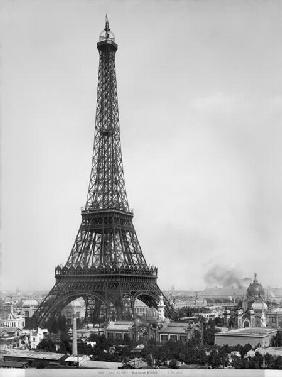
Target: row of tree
x=213, y=356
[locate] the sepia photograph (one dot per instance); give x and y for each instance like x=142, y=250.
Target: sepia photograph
x=141, y=187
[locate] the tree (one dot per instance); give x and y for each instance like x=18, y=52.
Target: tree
x=173, y=364
x=223, y=355
x=278, y=362
x=277, y=340
x=236, y=362
x=218, y=321
x=245, y=349
x=257, y=360
x=149, y=360
x=214, y=359
x=84, y=349
x=269, y=361
x=79, y=323
x=195, y=341
x=65, y=345
x=245, y=363
x=209, y=332
x=46, y=345
x=52, y=325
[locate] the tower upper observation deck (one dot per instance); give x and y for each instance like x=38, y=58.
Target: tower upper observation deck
x=107, y=37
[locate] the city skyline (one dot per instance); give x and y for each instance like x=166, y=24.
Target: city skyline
x=200, y=104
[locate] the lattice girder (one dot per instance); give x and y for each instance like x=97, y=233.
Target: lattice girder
x=107, y=185
x=110, y=291
x=106, y=238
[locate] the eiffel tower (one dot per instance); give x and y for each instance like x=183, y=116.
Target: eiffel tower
x=106, y=266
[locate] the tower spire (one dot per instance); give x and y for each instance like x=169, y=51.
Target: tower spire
x=107, y=24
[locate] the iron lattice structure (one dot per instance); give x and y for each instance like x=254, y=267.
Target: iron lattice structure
x=106, y=265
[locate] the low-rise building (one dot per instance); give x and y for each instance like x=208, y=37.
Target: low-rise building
x=33, y=357
x=119, y=329
x=9, y=337
x=5, y=309
x=274, y=318
x=36, y=336
x=85, y=333
x=254, y=336
x=143, y=311
x=174, y=331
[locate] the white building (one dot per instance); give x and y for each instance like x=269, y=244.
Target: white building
x=13, y=320
x=34, y=337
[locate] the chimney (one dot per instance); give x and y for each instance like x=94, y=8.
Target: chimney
x=74, y=336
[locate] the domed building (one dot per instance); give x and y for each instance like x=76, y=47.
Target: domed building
x=254, y=307
x=253, y=310
x=255, y=292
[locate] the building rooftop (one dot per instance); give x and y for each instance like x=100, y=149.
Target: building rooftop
x=174, y=328
x=30, y=303
x=259, y=306
x=249, y=332
x=138, y=303
x=77, y=358
x=120, y=325
x=35, y=355
x=276, y=310
x=100, y=364
x=9, y=329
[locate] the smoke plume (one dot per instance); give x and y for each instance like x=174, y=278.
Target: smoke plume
x=223, y=277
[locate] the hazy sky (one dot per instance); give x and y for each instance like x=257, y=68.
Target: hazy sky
x=200, y=95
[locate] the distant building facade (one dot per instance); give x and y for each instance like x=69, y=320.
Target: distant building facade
x=29, y=307
x=274, y=318
x=75, y=308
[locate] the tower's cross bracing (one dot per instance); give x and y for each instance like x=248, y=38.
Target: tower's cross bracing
x=107, y=187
